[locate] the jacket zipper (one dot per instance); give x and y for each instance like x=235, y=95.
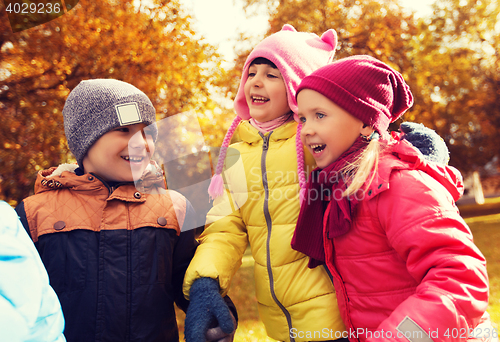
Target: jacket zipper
x=100, y=327
x=111, y=189
x=269, y=223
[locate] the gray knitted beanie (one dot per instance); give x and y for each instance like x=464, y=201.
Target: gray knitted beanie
x=97, y=106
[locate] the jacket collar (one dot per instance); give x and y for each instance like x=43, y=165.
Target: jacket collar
x=250, y=134
x=64, y=176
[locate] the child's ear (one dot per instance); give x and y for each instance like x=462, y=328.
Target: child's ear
x=366, y=130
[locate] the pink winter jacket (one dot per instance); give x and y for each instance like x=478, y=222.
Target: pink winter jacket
x=408, y=269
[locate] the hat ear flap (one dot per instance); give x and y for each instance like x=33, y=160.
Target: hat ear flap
x=288, y=27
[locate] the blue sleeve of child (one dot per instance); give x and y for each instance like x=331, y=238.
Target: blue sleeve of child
x=29, y=307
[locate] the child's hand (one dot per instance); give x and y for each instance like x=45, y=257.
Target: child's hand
x=207, y=310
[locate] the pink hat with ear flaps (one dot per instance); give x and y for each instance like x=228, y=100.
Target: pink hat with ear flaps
x=296, y=55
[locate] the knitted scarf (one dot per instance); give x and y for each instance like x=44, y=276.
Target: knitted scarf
x=326, y=185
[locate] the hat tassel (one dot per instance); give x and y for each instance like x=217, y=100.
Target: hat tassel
x=216, y=187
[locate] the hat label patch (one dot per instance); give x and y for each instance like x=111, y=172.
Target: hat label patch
x=128, y=113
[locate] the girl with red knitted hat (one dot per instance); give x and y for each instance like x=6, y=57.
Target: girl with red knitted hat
x=295, y=303
x=381, y=217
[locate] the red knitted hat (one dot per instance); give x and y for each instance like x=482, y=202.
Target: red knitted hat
x=365, y=87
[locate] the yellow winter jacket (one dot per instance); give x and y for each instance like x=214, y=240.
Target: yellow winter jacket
x=261, y=207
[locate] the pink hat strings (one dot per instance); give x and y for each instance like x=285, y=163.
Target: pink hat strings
x=216, y=187
x=296, y=55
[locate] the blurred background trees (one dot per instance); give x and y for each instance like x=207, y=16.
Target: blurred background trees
x=149, y=44
x=450, y=60
x=456, y=78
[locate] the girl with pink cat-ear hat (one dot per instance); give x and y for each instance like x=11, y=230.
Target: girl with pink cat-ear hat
x=293, y=300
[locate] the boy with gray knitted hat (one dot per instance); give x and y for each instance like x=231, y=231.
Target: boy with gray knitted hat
x=116, y=252
x=98, y=106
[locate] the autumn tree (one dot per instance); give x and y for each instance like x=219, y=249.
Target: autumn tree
x=450, y=60
x=455, y=61
x=378, y=28
x=149, y=44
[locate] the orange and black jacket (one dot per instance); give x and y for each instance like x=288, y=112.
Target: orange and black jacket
x=116, y=256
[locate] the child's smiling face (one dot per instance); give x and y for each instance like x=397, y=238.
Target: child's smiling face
x=265, y=93
x=327, y=129
x=122, y=154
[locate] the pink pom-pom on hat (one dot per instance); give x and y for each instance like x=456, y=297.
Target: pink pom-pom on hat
x=296, y=55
